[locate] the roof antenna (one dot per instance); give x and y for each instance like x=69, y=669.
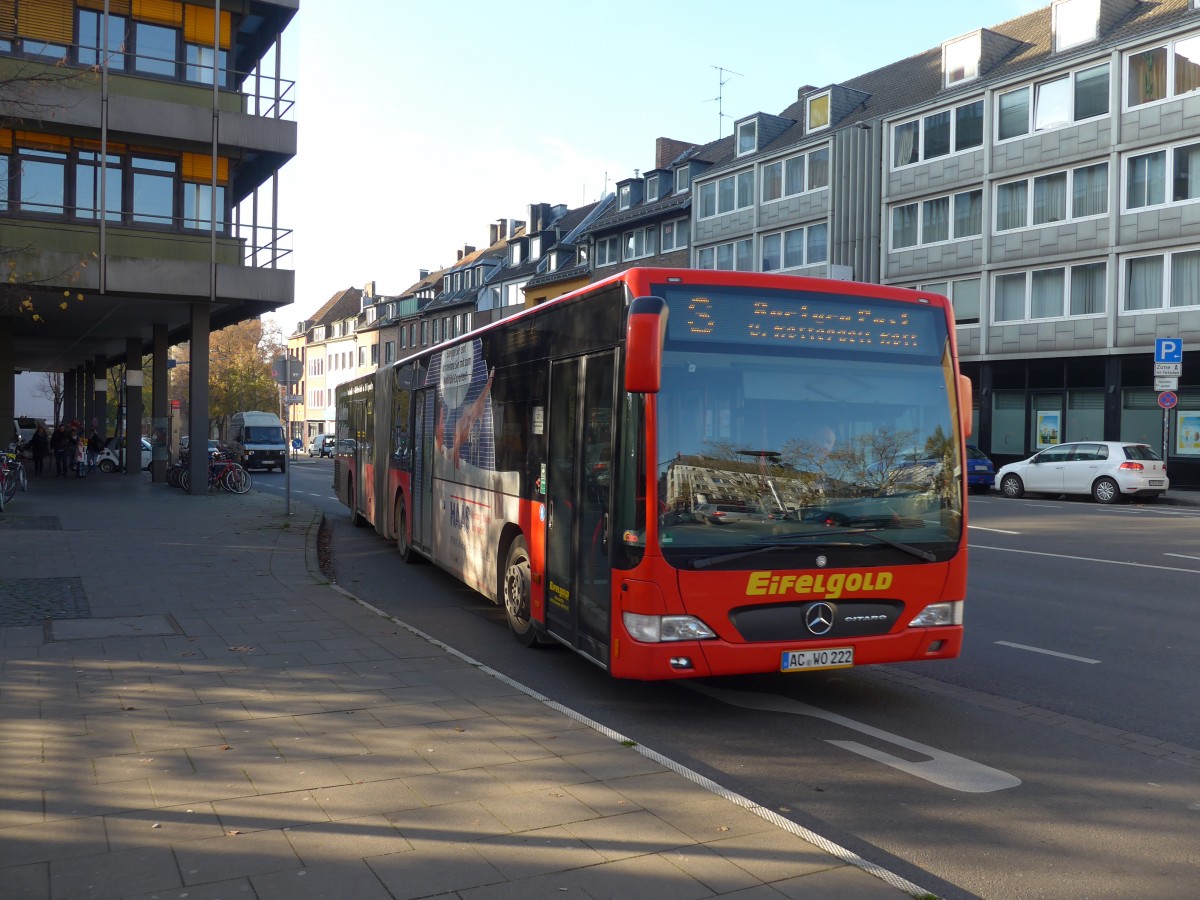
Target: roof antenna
x=719, y=99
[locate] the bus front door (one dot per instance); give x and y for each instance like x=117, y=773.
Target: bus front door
x=422, y=476
x=578, y=569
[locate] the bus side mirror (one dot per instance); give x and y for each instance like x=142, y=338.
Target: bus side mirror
x=964, y=404
x=644, y=334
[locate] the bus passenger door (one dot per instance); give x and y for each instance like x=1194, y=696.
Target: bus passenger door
x=578, y=570
x=422, y=475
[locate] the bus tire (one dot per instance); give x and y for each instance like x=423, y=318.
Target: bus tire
x=400, y=523
x=515, y=593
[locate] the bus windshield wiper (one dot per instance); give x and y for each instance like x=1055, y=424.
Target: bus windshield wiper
x=796, y=539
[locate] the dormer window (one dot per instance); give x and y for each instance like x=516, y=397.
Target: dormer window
x=535, y=247
x=747, y=136
x=651, y=188
x=817, y=112
x=682, y=181
x=1076, y=22
x=960, y=59
x=624, y=196
x=515, y=256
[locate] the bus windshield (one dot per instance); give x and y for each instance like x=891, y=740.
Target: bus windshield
x=794, y=422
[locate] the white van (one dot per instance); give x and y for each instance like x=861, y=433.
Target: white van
x=321, y=445
x=256, y=440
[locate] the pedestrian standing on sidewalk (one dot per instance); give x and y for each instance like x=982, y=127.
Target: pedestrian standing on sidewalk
x=94, y=446
x=76, y=452
x=39, y=445
x=58, y=446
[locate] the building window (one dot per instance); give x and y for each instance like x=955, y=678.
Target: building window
x=817, y=116
x=938, y=219
x=726, y=194
x=42, y=181
x=389, y=351
x=795, y=247
x=651, y=188
x=674, y=235
x=1075, y=23
x=1164, y=281
x=375, y=353
x=786, y=177
x=682, y=181
x=818, y=169
x=608, y=251
x=738, y=255
x=624, y=196
x=960, y=59
x=155, y=49
x=1055, y=103
x=747, y=137
x=640, y=242
x=1052, y=293
x=92, y=49
x=1146, y=180
x=1052, y=198
x=153, y=196
x=964, y=297
x=1162, y=72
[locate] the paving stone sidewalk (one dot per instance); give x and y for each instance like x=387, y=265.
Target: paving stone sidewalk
x=204, y=716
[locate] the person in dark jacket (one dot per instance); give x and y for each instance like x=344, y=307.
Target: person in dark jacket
x=94, y=445
x=39, y=445
x=58, y=446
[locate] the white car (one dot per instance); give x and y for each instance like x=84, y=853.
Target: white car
x=108, y=461
x=1107, y=470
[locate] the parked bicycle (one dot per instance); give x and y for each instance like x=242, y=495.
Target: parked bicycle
x=224, y=472
x=12, y=477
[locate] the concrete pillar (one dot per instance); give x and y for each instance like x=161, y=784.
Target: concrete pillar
x=198, y=399
x=70, y=389
x=133, y=406
x=100, y=398
x=80, y=397
x=8, y=386
x=161, y=403
x=89, y=396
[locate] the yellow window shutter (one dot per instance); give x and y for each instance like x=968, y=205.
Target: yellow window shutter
x=8, y=17
x=197, y=168
x=198, y=25
x=52, y=21
x=6, y=140
x=115, y=7
x=160, y=12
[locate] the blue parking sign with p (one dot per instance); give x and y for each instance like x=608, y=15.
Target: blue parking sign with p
x=1168, y=350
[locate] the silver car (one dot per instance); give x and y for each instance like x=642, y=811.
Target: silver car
x=1107, y=470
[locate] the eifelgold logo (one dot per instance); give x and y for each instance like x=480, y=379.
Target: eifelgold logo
x=828, y=586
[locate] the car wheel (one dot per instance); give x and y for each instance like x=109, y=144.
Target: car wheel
x=1105, y=490
x=107, y=465
x=1012, y=486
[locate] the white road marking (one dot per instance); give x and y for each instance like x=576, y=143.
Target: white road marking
x=1181, y=555
x=1109, y=562
x=997, y=530
x=942, y=768
x=1082, y=659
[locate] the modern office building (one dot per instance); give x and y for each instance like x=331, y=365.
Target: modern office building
x=1044, y=173
x=141, y=144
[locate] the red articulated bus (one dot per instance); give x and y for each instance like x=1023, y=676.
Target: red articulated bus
x=682, y=473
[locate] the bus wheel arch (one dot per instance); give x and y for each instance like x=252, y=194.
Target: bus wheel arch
x=400, y=527
x=515, y=589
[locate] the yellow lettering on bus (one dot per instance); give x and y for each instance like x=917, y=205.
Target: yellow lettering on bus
x=828, y=585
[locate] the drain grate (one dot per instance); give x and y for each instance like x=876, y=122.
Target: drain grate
x=30, y=523
x=30, y=601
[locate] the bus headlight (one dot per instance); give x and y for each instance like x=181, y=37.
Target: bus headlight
x=658, y=629
x=939, y=614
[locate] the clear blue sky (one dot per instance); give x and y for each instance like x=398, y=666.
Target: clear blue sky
x=421, y=122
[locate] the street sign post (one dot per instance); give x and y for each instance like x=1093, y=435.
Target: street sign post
x=1168, y=367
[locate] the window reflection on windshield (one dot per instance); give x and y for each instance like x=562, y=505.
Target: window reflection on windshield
x=754, y=447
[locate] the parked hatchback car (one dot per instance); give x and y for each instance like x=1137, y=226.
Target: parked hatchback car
x=981, y=473
x=108, y=460
x=1107, y=470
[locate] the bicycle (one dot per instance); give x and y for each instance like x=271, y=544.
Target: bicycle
x=223, y=472
x=12, y=477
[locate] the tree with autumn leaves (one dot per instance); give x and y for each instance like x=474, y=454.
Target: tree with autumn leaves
x=239, y=374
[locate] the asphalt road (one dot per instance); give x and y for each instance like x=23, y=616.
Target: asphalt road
x=1049, y=761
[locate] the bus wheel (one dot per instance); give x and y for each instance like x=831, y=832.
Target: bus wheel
x=515, y=592
x=400, y=523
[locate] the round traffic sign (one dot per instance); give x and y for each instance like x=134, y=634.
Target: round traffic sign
x=1168, y=399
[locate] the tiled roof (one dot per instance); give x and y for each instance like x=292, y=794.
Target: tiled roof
x=342, y=305
x=578, y=270
x=617, y=218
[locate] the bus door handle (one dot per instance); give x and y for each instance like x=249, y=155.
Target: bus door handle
x=550, y=513
x=604, y=533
